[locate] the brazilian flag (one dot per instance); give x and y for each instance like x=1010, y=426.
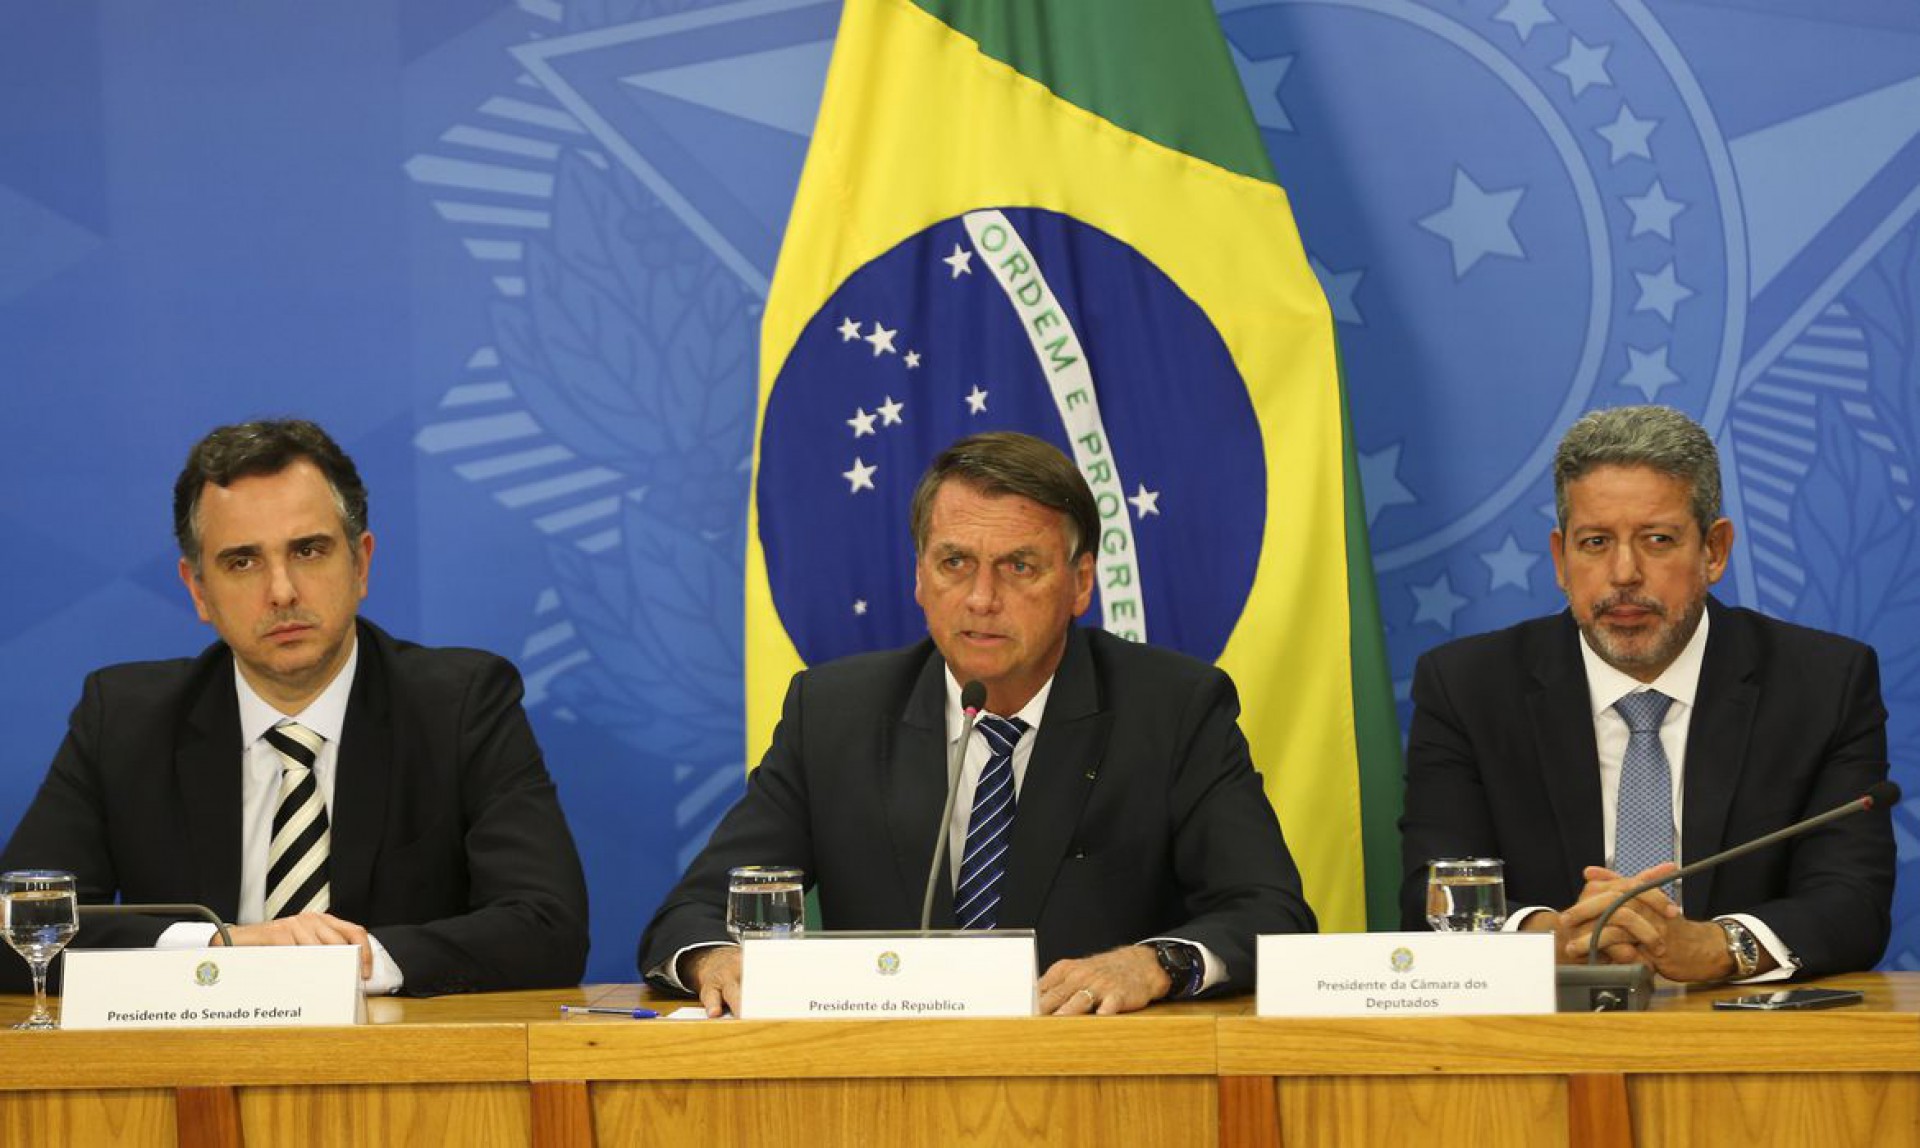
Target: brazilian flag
x=1056, y=216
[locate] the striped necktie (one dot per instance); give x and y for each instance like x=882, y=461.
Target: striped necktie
x=976, y=899
x=1643, y=820
x=297, y=857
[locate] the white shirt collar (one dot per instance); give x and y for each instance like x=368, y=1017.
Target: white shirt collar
x=1029, y=713
x=1679, y=681
x=326, y=715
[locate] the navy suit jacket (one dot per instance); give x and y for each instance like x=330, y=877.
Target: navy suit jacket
x=1140, y=815
x=1788, y=722
x=447, y=836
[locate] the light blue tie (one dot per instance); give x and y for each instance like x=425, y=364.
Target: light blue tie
x=976, y=900
x=1643, y=822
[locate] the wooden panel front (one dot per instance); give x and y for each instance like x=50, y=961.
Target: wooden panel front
x=1833, y=1110
x=427, y=1115
x=86, y=1116
x=1476, y=1111
x=915, y=1113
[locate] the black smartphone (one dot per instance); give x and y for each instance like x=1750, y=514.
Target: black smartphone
x=1793, y=999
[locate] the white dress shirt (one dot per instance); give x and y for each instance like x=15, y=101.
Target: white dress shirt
x=260, y=767
x=1681, y=682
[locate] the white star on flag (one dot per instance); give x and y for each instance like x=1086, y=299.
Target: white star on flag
x=882, y=339
x=860, y=477
x=913, y=360
x=961, y=261
x=861, y=422
x=849, y=330
x=859, y=606
x=890, y=412
x=976, y=400
x=1145, y=502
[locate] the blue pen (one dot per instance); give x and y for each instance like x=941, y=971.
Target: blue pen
x=635, y=1013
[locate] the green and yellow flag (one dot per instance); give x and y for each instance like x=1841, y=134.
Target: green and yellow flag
x=1058, y=216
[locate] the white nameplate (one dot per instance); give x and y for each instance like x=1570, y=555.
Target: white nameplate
x=1406, y=974
x=869, y=976
x=212, y=988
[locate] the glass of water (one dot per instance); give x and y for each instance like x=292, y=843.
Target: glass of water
x=1467, y=894
x=766, y=901
x=39, y=914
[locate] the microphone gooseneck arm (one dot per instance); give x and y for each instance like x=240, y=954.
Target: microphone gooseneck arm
x=180, y=910
x=973, y=698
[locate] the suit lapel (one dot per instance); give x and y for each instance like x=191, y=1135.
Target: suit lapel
x=207, y=761
x=1724, y=710
x=913, y=785
x=362, y=780
x=1060, y=777
x=1560, y=709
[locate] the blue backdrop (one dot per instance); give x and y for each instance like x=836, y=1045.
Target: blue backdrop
x=513, y=255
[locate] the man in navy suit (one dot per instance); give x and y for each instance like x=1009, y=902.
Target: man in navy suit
x=1142, y=849
x=1649, y=725
x=418, y=821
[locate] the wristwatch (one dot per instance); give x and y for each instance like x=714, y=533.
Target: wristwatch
x=1183, y=966
x=1741, y=946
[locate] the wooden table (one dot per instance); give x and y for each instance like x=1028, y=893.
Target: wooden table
x=506, y=1069
x=1678, y=1074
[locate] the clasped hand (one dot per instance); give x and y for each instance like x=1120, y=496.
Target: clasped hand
x=1649, y=929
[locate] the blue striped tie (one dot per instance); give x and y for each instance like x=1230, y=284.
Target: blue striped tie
x=976, y=899
x=1643, y=821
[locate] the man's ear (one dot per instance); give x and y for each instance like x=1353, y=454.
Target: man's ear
x=190, y=578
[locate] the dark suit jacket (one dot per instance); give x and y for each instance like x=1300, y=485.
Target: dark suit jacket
x=1501, y=762
x=447, y=838
x=1140, y=814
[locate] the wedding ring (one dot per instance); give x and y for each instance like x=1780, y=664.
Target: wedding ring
x=1092, y=1001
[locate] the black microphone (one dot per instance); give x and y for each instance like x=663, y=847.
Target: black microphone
x=973, y=698
x=1879, y=795
x=180, y=910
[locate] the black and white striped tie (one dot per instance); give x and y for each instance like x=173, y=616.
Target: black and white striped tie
x=297, y=857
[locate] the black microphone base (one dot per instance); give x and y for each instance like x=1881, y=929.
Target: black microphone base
x=1603, y=988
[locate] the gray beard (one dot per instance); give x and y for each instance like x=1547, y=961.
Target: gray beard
x=1667, y=644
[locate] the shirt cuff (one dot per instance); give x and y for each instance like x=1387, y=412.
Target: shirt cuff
x=1786, y=964
x=186, y=935
x=1214, y=970
x=1518, y=917
x=386, y=980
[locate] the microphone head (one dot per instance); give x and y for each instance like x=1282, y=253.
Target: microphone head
x=973, y=696
x=1882, y=795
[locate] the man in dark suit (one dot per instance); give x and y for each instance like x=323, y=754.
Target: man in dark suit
x=308, y=776
x=1141, y=847
x=1649, y=725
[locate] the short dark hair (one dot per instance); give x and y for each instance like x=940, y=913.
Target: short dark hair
x=1006, y=462
x=1656, y=437
x=246, y=450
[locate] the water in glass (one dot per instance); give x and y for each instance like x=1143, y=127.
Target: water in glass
x=40, y=922
x=1468, y=896
x=765, y=902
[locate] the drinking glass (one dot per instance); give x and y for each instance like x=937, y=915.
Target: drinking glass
x=766, y=901
x=1467, y=894
x=39, y=915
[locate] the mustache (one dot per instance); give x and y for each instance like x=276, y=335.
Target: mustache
x=1614, y=601
x=295, y=617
